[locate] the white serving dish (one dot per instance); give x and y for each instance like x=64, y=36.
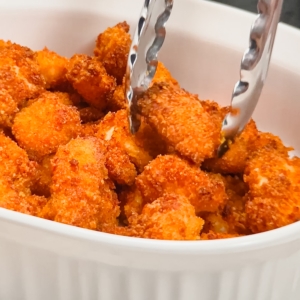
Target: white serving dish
x=40, y=259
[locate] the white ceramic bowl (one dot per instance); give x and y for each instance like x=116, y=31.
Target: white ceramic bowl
x=40, y=259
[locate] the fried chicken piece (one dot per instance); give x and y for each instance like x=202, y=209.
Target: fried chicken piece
x=170, y=217
x=53, y=68
x=163, y=75
x=234, y=212
x=120, y=168
x=214, y=222
x=217, y=236
x=15, y=166
x=268, y=141
x=46, y=124
x=11, y=199
x=81, y=191
x=89, y=129
x=20, y=80
x=179, y=118
x=90, y=80
x=171, y=174
x=114, y=129
x=43, y=178
x=274, y=196
x=112, y=48
x=234, y=160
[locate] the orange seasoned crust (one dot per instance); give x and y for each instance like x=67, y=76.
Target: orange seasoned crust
x=179, y=118
x=81, y=194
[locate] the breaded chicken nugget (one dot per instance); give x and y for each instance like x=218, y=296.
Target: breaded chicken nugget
x=15, y=166
x=234, y=160
x=214, y=222
x=274, y=195
x=90, y=80
x=171, y=174
x=20, y=80
x=14, y=200
x=112, y=48
x=179, y=118
x=114, y=129
x=46, y=124
x=170, y=217
x=53, y=68
x=81, y=193
x=90, y=114
x=120, y=168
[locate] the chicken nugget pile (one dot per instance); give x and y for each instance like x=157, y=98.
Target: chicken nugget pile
x=67, y=155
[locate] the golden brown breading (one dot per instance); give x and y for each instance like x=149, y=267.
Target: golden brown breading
x=163, y=75
x=120, y=168
x=53, y=68
x=112, y=48
x=14, y=200
x=171, y=174
x=234, y=160
x=274, y=195
x=15, y=166
x=170, y=217
x=81, y=193
x=20, y=80
x=114, y=129
x=179, y=118
x=90, y=80
x=89, y=129
x=47, y=123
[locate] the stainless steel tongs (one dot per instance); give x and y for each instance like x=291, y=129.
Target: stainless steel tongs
x=150, y=35
x=254, y=69
x=142, y=59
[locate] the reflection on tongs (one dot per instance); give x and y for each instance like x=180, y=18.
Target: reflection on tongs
x=254, y=69
x=142, y=60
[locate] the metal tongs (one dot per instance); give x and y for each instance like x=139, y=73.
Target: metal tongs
x=254, y=69
x=142, y=59
x=148, y=40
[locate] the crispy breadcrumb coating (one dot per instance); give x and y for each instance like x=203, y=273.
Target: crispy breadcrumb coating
x=120, y=168
x=11, y=199
x=234, y=160
x=81, y=192
x=274, y=196
x=112, y=48
x=15, y=166
x=179, y=118
x=170, y=217
x=171, y=174
x=53, y=68
x=20, y=80
x=117, y=101
x=114, y=129
x=90, y=80
x=46, y=124
x=90, y=114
